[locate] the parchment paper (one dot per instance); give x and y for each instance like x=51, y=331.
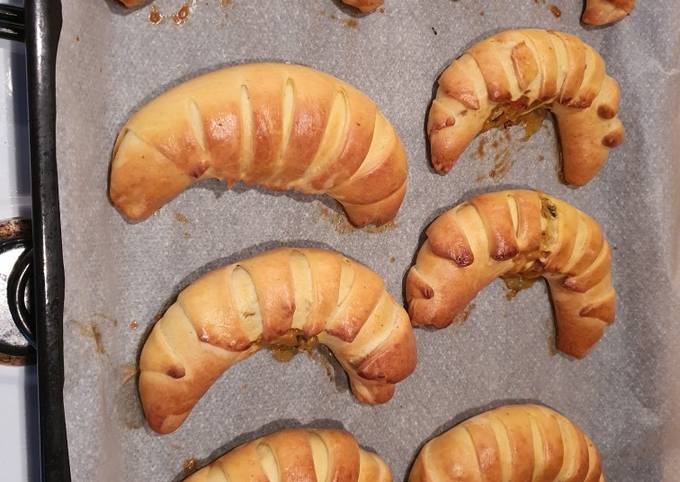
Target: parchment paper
x=119, y=276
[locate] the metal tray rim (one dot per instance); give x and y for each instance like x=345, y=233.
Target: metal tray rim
x=43, y=27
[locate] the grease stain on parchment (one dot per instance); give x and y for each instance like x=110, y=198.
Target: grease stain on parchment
x=341, y=225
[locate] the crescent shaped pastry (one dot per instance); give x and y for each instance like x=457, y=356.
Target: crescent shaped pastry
x=604, y=12
x=521, y=443
x=515, y=72
x=511, y=233
x=297, y=455
x=279, y=126
x=286, y=297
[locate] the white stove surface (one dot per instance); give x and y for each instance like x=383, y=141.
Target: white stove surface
x=19, y=452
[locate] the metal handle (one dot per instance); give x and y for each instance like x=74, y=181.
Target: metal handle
x=12, y=22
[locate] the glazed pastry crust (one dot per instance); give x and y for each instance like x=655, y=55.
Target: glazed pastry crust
x=132, y=3
x=364, y=6
x=518, y=71
x=280, y=126
x=297, y=455
x=522, y=443
x=604, y=12
x=509, y=233
x=283, y=297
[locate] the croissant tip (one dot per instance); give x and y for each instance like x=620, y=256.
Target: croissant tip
x=441, y=167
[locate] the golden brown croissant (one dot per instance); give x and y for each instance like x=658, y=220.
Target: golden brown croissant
x=364, y=5
x=603, y=12
x=286, y=296
x=516, y=233
x=515, y=72
x=297, y=455
x=277, y=125
x=521, y=443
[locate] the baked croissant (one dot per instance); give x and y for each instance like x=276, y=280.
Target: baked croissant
x=512, y=73
x=297, y=455
x=603, y=12
x=511, y=233
x=280, y=126
x=521, y=443
x=364, y=5
x=283, y=298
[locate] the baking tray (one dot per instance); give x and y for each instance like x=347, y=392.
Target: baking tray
x=43, y=25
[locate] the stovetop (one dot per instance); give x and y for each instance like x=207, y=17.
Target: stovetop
x=19, y=452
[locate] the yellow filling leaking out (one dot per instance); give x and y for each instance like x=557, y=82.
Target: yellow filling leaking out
x=290, y=344
x=550, y=229
x=513, y=114
x=516, y=282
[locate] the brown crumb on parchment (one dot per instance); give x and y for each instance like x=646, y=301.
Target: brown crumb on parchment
x=343, y=226
x=128, y=373
x=392, y=259
x=503, y=162
x=184, y=221
x=91, y=330
x=349, y=23
x=133, y=325
x=181, y=218
x=554, y=9
x=500, y=145
x=189, y=465
x=181, y=15
x=479, y=153
x=105, y=317
x=155, y=15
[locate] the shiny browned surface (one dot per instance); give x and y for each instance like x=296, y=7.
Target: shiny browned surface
x=508, y=233
x=519, y=71
x=604, y=12
x=521, y=443
x=279, y=126
x=287, y=298
x=297, y=455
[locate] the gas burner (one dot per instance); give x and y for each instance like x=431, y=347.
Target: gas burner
x=17, y=340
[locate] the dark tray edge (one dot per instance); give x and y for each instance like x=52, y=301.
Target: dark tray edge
x=43, y=26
